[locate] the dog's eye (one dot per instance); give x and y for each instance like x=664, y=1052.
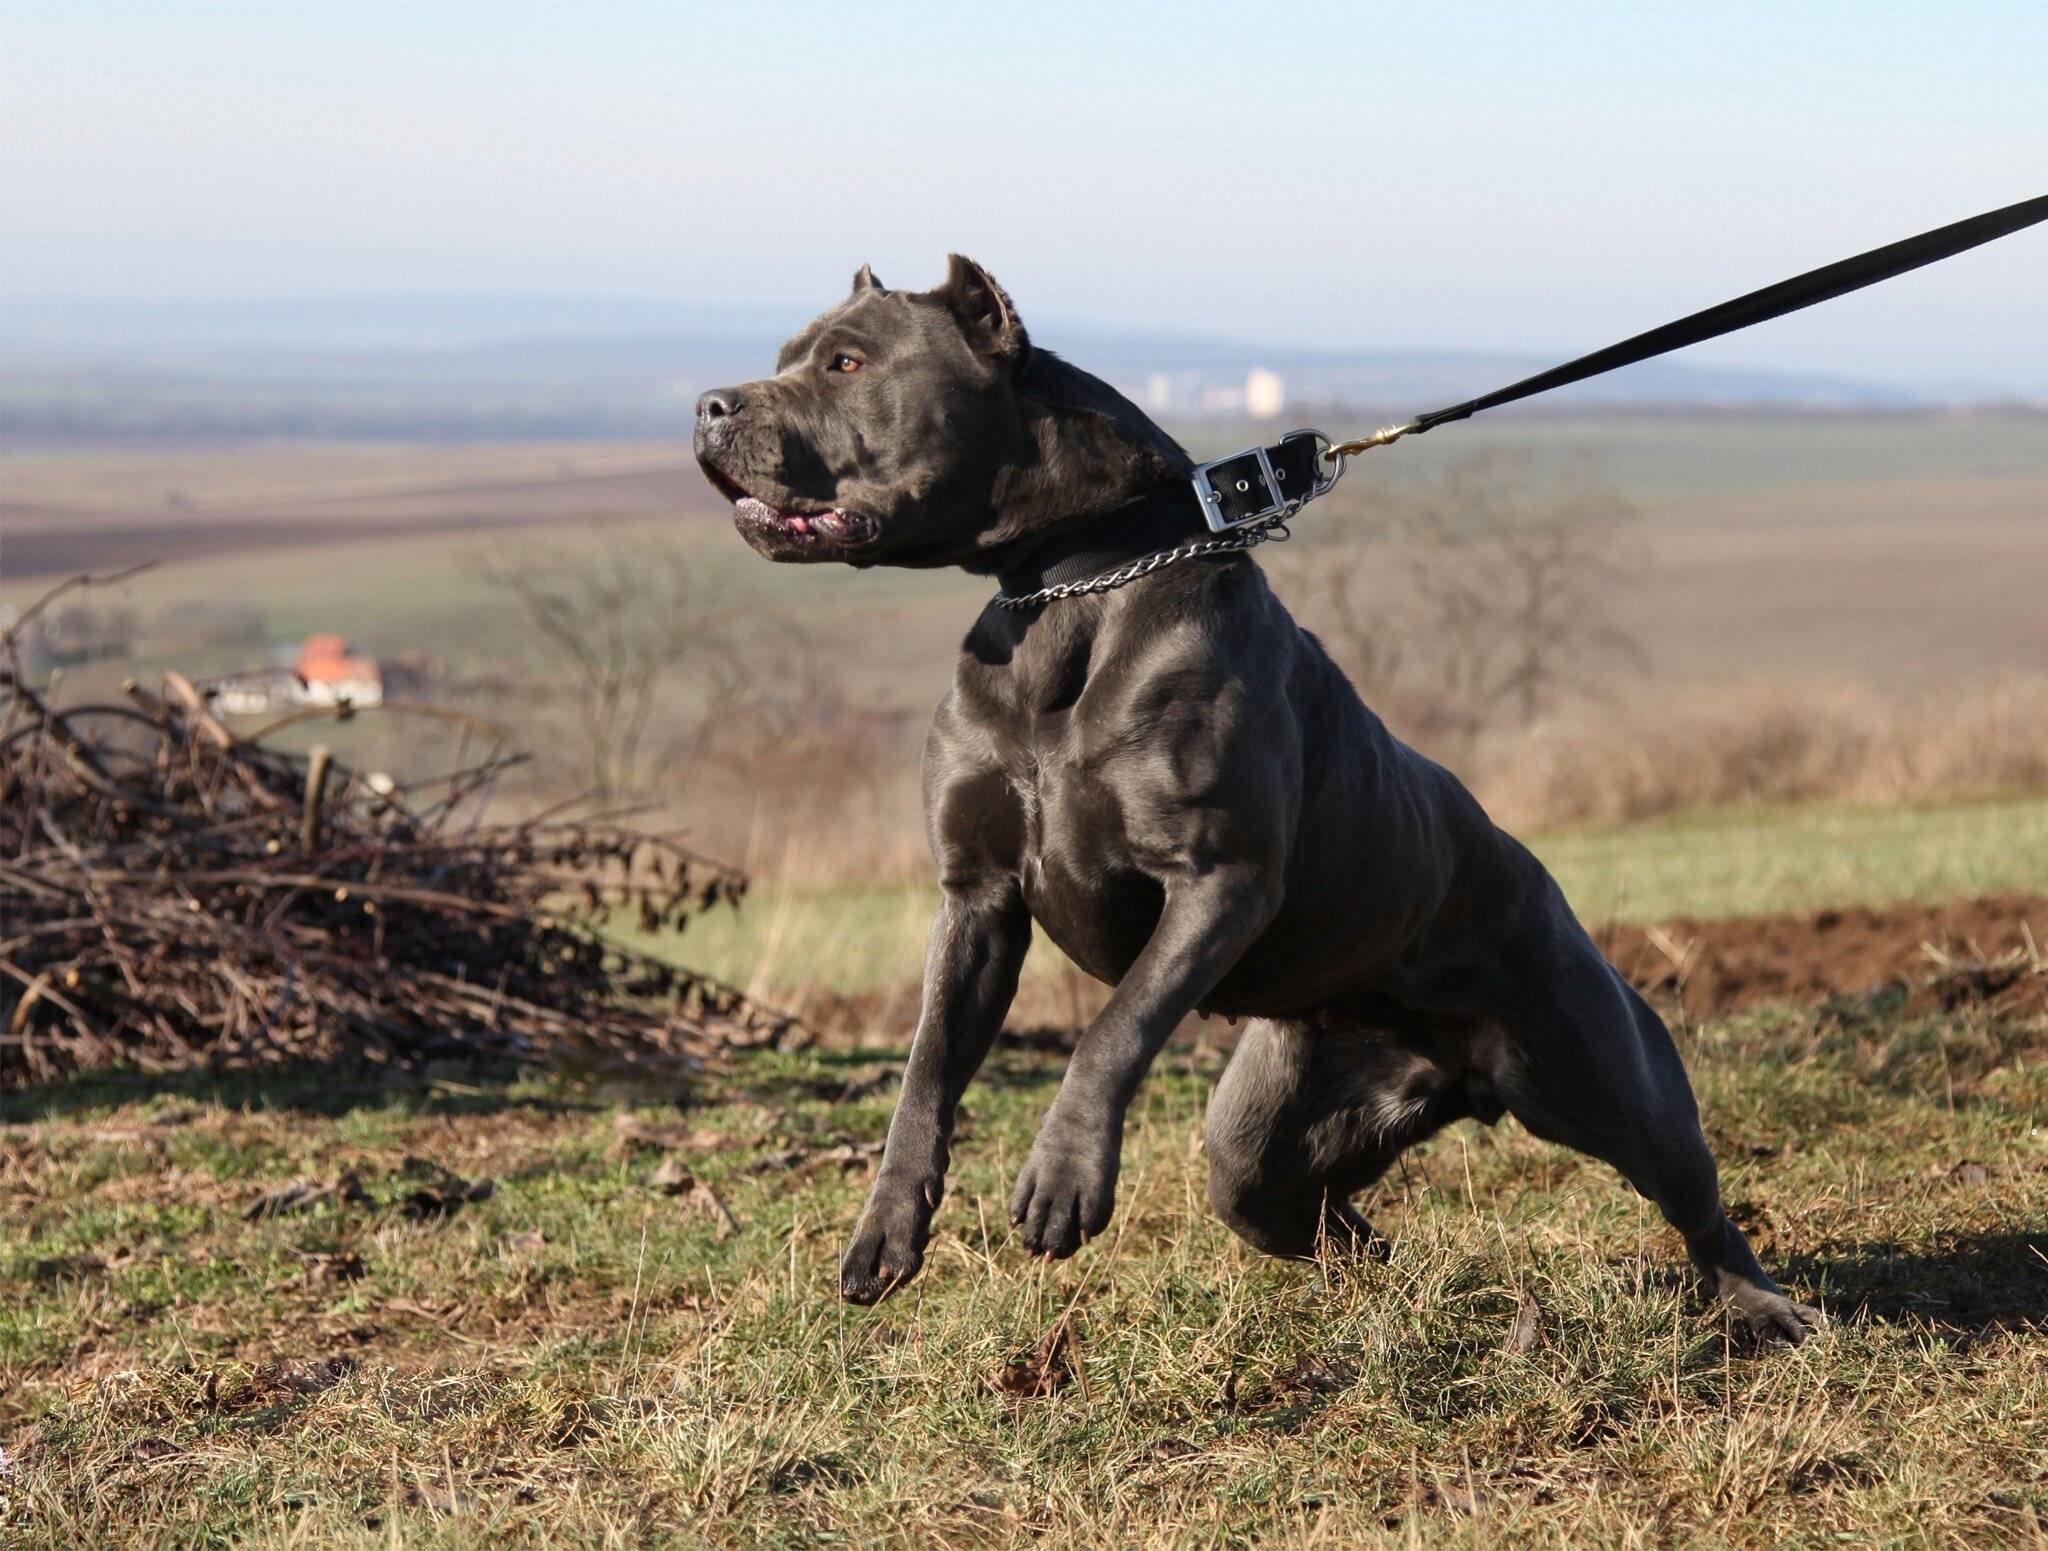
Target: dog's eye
x=846, y=363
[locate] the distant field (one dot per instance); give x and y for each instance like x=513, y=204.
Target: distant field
x=1895, y=555
x=1878, y=550
x=78, y=511
x=854, y=938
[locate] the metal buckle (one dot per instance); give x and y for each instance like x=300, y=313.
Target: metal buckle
x=1278, y=502
x=1211, y=496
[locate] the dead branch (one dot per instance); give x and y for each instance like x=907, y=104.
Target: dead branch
x=172, y=895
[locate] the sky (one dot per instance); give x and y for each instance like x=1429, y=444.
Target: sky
x=1537, y=178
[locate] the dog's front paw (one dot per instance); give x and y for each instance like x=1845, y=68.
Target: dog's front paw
x=1067, y=1189
x=888, y=1244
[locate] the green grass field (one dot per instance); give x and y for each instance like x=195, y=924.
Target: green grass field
x=632, y=1337
x=587, y=1358
x=871, y=937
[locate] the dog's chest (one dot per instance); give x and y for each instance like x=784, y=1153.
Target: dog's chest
x=1080, y=880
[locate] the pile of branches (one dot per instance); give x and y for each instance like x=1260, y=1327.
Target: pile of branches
x=174, y=894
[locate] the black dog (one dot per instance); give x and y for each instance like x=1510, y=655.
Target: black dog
x=1180, y=788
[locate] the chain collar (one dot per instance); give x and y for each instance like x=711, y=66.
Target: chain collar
x=1271, y=530
x=1228, y=505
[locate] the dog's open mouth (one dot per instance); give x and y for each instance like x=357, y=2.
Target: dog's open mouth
x=786, y=531
x=832, y=523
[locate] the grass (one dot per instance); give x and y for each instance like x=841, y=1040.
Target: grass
x=581, y=1359
x=869, y=937
x=1801, y=858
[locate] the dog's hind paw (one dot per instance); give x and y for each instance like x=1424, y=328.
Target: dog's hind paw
x=1347, y=1234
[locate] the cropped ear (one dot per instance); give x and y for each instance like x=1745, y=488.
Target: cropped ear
x=866, y=281
x=986, y=317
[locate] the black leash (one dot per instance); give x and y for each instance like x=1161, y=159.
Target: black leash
x=1773, y=301
x=1245, y=499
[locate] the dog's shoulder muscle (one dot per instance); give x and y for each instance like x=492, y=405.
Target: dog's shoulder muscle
x=974, y=808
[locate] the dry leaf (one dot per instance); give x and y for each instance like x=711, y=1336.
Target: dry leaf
x=342, y=1266
x=673, y=1178
x=302, y=1195
x=704, y=1199
x=847, y=1155
x=443, y=1192
x=1526, y=1334
x=657, y=1136
x=1315, y=1375
x=1045, y=1370
x=1465, y=1501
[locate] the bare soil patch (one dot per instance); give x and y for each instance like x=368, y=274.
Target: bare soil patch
x=1990, y=952
x=1987, y=951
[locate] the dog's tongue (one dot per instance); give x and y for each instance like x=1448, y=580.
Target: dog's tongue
x=801, y=523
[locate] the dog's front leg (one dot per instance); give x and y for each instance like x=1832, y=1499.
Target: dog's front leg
x=978, y=943
x=1068, y=1186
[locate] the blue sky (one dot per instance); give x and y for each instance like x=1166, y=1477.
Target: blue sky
x=1538, y=177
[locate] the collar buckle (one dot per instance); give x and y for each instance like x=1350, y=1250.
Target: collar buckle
x=1262, y=483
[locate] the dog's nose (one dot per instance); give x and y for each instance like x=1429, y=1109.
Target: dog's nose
x=719, y=404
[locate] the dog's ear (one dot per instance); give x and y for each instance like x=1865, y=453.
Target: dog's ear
x=866, y=281
x=983, y=309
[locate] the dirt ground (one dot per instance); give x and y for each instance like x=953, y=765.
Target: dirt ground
x=1990, y=952
x=1968, y=951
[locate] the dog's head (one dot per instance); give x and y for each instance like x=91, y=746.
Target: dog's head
x=922, y=428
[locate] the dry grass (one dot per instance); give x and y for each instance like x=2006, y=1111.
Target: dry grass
x=581, y=1359
x=802, y=931
x=848, y=815
x=1758, y=742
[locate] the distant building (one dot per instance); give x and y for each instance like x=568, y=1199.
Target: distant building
x=324, y=673
x=330, y=675
x=1173, y=393
x=1265, y=393
x=1187, y=395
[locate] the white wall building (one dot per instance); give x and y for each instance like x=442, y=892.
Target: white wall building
x=1265, y=393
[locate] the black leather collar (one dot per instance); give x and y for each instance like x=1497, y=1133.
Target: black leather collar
x=1168, y=516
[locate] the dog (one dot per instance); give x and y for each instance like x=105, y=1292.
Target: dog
x=1173, y=780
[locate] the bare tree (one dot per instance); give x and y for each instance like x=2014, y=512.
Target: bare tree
x=1480, y=594
x=618, y=615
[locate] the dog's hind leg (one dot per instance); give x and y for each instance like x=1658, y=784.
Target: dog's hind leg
x=1302, y=1120
x=1592, y=1066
